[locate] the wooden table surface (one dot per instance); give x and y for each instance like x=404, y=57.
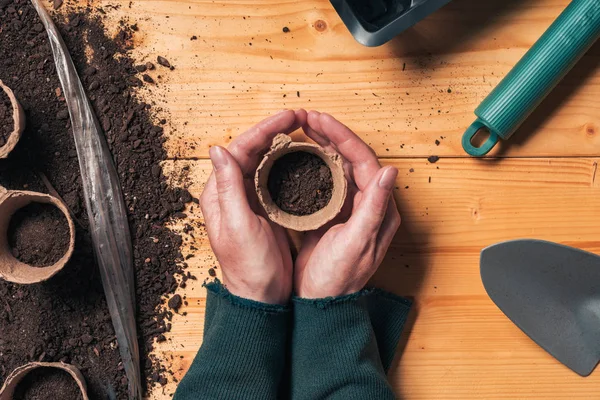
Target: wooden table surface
x=401, y=97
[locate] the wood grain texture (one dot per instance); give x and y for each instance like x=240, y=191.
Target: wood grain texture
x=401, y=97
x=458, y=345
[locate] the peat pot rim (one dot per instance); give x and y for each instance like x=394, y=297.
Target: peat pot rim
x=282, y=145
x=13, y=270
x=15, y=377
x=18, y=119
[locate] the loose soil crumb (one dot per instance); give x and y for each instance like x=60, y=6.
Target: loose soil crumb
x=47, y=384
x=7, y=124
x=38, y=235
x=175, y=302
x=67, y=319
x=433, y=159
x=163, y=61
x=300, y=183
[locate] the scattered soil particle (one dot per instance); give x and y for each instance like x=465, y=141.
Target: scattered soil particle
x=148, y=78
x=433, y=159
x=437, y=142
x=211, y=272
x=300, y=183
x=286, y=29
x=194, y=37
x=47, y=384
x=7, y=124
x=175, y=302
x=150, y=66
x=38, y=235
x=63, y=114
x=163, y=61
x=50, y=321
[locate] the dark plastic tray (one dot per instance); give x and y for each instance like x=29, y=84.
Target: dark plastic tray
x=374, y=22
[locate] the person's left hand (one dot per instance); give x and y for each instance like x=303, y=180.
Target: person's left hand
x=254, y=253
x=340, y=258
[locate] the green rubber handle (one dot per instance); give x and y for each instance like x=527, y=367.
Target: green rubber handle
x=536, y=74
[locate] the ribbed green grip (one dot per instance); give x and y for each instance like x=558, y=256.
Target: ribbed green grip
x=536, y=74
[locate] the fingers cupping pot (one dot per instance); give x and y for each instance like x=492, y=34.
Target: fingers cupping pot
x=13, y=120
x=300, y=186
x=13, y=270
x=11, y=385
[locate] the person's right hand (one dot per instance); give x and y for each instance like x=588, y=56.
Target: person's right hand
x=340, y=259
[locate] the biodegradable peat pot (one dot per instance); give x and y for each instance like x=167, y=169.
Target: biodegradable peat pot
x=15, y=377
x=283, y=145
x=18, y=120
x=12, y=269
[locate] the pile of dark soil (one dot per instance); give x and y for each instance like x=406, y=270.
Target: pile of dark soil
x=47, y=384
x=300, y=183
x=66, y=319
x=38, y=235
x=7, y=124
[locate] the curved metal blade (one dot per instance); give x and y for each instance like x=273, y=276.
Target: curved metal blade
x=551, y=292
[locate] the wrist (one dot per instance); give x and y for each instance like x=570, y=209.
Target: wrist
x=326, y=291
x=267, y=294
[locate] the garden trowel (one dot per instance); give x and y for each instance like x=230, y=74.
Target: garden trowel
x=551, y=292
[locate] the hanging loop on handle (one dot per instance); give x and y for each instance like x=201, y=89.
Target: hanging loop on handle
x=470, y=133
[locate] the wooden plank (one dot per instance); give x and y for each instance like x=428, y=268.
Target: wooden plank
x=400, y=97
x=458, y=345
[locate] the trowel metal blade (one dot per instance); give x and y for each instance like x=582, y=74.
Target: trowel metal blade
x=551, y=292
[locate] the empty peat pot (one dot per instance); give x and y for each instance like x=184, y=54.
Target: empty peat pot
x=12, y=381
x=283, y=146
x=17, y=123
x=12, y=269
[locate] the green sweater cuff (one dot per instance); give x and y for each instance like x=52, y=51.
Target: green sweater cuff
x=243, y=351
x=388, y=314
x=342, y=347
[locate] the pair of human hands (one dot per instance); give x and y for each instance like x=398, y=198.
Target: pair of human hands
x=254, y=253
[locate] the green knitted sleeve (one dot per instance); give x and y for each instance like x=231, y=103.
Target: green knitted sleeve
x=342, y=347
x=243, y=354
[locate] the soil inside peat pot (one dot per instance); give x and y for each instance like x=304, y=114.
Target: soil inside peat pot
x=7, y=123
x=300, y=183
x=38, y=234
x=47, y=384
